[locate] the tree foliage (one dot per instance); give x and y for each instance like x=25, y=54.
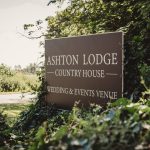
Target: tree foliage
x=84, y=17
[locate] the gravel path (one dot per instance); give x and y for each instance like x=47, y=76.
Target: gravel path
x=16, y=98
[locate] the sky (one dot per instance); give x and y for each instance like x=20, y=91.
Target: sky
x=14, y=48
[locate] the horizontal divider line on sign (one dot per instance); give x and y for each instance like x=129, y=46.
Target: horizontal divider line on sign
x=111, y=74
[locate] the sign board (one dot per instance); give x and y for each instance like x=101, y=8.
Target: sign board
x=88, y=69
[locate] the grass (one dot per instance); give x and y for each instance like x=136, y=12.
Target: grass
x=12, y=111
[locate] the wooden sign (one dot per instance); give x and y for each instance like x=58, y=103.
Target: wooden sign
x=88, y=69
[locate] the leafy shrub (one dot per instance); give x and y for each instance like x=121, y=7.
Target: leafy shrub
x=5, y=70
x=4, y=136
x=11, y=81
x=33, y=117
x=122, y=125
x=145, y=72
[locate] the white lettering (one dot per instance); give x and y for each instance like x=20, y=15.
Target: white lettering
x=106, y=94
x=63, y=60
x=98, y=59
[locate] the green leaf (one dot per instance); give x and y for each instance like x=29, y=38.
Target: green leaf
x=60, y=133
x=121, y=102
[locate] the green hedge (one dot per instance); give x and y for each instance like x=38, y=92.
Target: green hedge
x=122, y=125
x=11, y=81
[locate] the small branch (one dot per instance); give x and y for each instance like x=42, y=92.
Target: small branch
x=32, y=37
